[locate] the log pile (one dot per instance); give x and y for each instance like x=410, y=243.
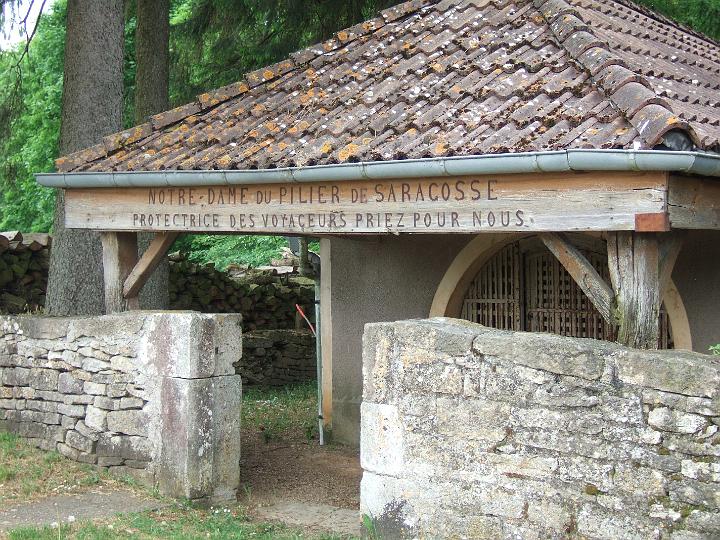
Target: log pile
x=24, y=263
x=266, y=301
x=277, y=358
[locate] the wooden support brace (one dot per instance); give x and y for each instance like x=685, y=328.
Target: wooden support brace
x=669, y=245
x=148, y=263
x=634, y=262
x=583, y=272
x=119, y=258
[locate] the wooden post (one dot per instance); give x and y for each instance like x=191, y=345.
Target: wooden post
x=119, y=258
x=634, y=261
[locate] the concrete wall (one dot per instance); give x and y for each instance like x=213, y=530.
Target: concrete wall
x=376, y=279
x=152, y=395
x=394, y=278
x=470, y=432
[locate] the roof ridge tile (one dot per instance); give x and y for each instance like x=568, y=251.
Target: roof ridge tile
x=635, y=97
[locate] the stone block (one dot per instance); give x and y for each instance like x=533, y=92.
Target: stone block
x=96, y=419
x=679, y=372
x=131, y=403
x=381, y=440
x=79, y=442
x=43, y=327
x=123, y=363
x=121, y=446
x=85, y=431
x=112, y=327
x=666, y=419
x=16, y=376
x=228, y=342
x=43, y=406
x=67, y=384
x=43, y=379
x=117, y=390
x=93, y=365
x=94, y=389
x=128, y=422
x=179, y=344
x=103, y=402
x=200, y=423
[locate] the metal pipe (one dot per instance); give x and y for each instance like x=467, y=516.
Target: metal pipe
x=701, y=163
x=318, y=359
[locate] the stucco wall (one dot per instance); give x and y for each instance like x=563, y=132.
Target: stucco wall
x=697, y=277
x=395, y=278
x=470, y=432
x=152, y=395
x=373, y=280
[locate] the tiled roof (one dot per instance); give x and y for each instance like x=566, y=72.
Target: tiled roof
x=463, y=77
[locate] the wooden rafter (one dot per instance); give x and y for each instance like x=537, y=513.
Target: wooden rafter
x=148, y=263
x=583, y=272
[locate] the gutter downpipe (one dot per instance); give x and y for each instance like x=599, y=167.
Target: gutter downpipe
x=699, y=163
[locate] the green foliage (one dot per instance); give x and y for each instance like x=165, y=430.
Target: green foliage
x=715, y=349
x=700, y=15
x=223, y=250
x=32, y=110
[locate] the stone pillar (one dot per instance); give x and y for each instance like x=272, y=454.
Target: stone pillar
x=195, y=424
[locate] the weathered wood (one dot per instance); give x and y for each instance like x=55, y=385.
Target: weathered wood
x=119, y=258
x=633, y=259
x=147, y=264
x=583, y=272
x=669, y=248
x=694, y=203
x=526, y=203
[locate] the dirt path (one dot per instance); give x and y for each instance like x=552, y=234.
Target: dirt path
x=300, y=472
x=93, y=504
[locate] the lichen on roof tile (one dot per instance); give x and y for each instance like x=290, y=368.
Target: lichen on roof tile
x=457, y=77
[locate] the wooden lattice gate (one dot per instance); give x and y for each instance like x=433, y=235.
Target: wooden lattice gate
x=524, y=287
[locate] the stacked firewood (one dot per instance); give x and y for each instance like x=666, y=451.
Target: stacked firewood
x=265, y=300
x=24, y=263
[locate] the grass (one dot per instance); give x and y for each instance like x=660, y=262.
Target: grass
x=288, y=413
x=27, y=473
x=176, y=522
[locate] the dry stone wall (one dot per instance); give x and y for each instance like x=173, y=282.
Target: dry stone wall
x=277, y=358
x=152, y=395
x=471, y=432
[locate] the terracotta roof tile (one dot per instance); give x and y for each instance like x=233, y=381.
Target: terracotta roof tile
x=461, y=77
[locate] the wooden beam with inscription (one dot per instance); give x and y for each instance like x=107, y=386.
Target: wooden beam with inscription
x=605, y=201
x=147, y=264
x=119, y=257
x=584, y=274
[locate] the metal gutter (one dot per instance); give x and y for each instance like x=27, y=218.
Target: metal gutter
x=531, y=162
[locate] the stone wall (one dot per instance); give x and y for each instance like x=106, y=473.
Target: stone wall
x=153, y=395
x=277, y=358
x=471, y=432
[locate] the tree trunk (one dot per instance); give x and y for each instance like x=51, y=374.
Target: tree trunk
x=151, y=97
x=91, y=108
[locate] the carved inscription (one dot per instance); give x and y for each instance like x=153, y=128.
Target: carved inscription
x=463, y=204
